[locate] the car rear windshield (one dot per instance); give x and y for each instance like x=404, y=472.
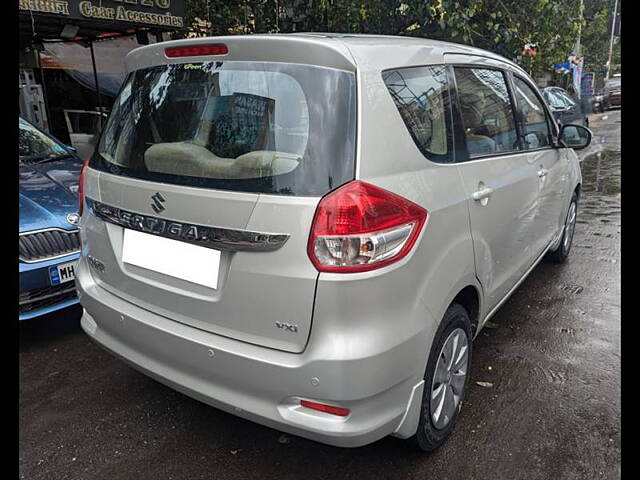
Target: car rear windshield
x=261, y=127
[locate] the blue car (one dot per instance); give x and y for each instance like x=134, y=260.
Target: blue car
x=48, y=237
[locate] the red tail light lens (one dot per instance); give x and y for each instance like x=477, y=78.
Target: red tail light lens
x=81, y=186
x=196, y=50
x=361, y=227
x=341, y=412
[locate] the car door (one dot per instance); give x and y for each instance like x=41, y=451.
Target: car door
x=552, y=169
x=499, y=178
x=83, y=127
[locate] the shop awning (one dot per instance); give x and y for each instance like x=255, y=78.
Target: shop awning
x=47, y=18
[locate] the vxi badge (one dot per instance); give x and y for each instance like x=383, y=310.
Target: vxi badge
x=288, y=327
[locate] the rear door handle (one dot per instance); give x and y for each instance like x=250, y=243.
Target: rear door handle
x=543, y=172
x=481, y=194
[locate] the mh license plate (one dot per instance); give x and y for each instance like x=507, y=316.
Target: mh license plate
x=62, y=273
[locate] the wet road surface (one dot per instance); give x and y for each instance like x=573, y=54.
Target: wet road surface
x=552, y=355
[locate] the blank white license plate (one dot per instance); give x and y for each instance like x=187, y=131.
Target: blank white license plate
x=177, y=259
x=63, y=273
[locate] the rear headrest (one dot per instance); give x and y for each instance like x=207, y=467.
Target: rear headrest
x=471, y=106
x=190, y=159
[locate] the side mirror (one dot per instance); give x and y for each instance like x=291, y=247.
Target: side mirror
x=574, y=136
x=71, y=149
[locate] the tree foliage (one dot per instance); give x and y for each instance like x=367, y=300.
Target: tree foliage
x=502, y=26
x=595, y=38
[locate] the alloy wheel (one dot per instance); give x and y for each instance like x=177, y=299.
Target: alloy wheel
x=570, y=226
x=449, y=378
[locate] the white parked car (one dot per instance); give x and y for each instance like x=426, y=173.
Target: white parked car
x=309, y=230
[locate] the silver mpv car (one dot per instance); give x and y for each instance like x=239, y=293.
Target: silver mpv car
x=309, y=230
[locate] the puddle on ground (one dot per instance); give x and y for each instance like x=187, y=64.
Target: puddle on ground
x=601, y=173
x=601, y=189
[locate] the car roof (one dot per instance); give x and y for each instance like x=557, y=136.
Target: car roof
x=347, y=51
x=359, y=41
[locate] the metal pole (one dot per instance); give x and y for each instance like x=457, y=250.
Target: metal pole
x=246, y=25
x=47, y=113
x=578, y=46
x=613, y=29
x=95, y=78
x=578, y=49
x=208, y=18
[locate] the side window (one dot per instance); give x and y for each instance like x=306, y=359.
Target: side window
x=421, y=95
x=535, y=127
x=487, y=114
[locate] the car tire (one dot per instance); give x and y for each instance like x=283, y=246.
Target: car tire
x=560, y=254
x=437, y=420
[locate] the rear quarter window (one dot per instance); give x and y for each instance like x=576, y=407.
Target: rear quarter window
x=421, y=95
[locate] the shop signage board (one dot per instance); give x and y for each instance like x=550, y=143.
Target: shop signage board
x=167, y=14
x=587, y=85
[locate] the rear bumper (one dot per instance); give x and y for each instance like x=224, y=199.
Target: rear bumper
x=257, y=383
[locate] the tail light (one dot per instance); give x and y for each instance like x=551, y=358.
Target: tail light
x=81, y=186
x=361, y=227
x=321, y=407
x=196, y=50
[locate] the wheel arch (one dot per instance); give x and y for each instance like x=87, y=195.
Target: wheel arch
x=578, y=189
x=468, y=293
x=469, y=298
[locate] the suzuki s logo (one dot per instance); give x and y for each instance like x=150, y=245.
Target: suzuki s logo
x=157, y=202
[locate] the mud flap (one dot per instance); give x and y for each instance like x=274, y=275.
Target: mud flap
x=409, y=423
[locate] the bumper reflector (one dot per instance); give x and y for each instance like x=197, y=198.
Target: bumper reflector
x=341, y=412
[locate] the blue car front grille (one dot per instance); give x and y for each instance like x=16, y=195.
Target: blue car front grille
x=46, y=296
x=47, y=244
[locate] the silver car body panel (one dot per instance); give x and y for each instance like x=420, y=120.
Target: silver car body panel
x=237, y=307
x=363, y=338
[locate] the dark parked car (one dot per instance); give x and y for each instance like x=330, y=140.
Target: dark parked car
x=48, y=236
x=565, y=107
x=613, y=93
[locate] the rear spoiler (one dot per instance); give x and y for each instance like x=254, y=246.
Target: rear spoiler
x=305, y=50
